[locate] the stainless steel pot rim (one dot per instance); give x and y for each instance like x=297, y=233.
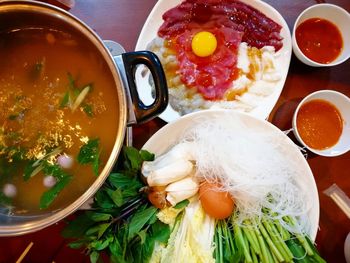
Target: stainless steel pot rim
x=46, y=9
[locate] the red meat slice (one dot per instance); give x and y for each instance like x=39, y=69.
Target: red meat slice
x=259, y=30
x=214, y=74
x=231, y=21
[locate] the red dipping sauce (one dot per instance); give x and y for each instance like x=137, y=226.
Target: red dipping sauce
x=320, y=124
x=319, y=39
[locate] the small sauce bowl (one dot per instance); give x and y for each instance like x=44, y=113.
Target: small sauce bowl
x=342, y=104
x=334, y=14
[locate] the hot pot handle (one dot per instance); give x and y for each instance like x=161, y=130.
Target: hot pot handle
x=144, y=112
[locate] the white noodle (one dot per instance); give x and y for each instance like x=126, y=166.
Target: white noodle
x=253, y=166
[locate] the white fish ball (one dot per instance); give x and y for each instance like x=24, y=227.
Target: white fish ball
x=49, y=181
x=10, y=190
x=65, y=161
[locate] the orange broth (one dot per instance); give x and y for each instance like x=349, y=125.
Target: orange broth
x=319, y=124
x=319, y=40
x=38, y=68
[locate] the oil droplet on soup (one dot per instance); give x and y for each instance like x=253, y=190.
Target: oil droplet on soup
x=57, y=98
x=319, y=124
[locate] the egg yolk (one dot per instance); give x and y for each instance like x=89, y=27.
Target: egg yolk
x=204, y=44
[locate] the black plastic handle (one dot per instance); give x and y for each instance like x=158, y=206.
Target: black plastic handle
x=143, y=112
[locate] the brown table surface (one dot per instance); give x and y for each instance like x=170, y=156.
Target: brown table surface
x=121, y=21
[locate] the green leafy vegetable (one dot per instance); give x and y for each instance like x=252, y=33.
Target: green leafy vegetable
x=87, y=108
x=77, y=244
x=54, y=170
x=96, y=163
x=4, y=200
x=98, y=217
x=182, y=204
x=122, y=221
x=13, y=117
x=37, y=69
x=38, y=66
x=94, y=256
x=89, y=151
x=103, y=200
x=49, y=196
x=146, y=156
x=75, y=96
x=78, y=227
x=102, y=229
x=144, y=250
x=71, y=82
x=101, y=244
x=33, y=167
x=119, y=180
x=17, y=115
x=116, y=196
x=80, y=98
x=12, y=158
x=139, y=219
x=160, y=232
x=29, y=170
x=134, y=158
x=90, y=154
x=65, y=100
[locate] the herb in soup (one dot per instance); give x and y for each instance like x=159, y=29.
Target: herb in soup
x=89, y=154
x=57, y=97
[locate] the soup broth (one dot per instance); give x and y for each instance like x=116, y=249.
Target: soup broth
x=58, y=116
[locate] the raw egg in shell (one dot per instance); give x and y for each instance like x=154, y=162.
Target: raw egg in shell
x=216, y=203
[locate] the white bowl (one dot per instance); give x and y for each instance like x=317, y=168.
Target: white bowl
x=335, y=14
x=342, y=103
x=170, y=134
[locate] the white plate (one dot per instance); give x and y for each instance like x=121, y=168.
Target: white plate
x=170, y=134
x=154, y=21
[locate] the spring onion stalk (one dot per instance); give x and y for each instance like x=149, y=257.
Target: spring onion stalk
x=277, y=240
x=246, y=245
x=80, y=98
x=230, y=241
x=220, y=243
x=254, y=256
x=270, y=243
x=249, y=233
x=270, y=255
x=216, y=252
x=264, y=255
x=239, y=237
x=260, y=240
x=280, y=229
x=300, y=237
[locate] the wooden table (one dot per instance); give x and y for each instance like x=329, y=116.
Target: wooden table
x=121, y=21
